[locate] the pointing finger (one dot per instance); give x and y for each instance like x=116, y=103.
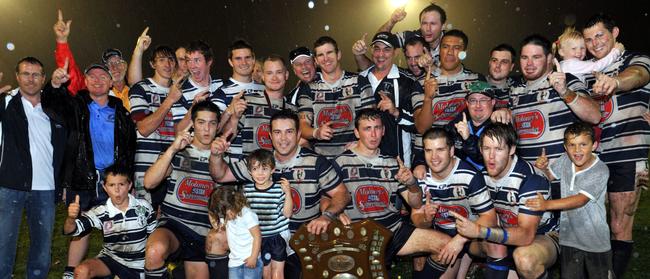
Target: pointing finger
x=465, y=118
x=363, y=38
x=457, y=216
x=240, y=94
x=557, y=65
x=428, y=198
x=187, y=129
x=543, y=152
x=399, y=162
x=65, y=65
x=144, y=33
x=428, y=73
x=76, y=199
x=60, y=15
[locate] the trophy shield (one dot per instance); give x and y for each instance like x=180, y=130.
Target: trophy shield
x=342, y=252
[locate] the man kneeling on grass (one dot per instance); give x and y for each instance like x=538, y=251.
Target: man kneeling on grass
x=125, y=221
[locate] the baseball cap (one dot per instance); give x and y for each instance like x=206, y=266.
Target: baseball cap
x=97, y=66
x=299, y=52
x=481, y=87
x=108, y=53
x=386, y=38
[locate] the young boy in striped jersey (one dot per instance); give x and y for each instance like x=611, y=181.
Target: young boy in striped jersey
x=272, y=203
x=125, y=221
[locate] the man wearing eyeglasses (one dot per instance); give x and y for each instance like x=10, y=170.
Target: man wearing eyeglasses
x=112, y=57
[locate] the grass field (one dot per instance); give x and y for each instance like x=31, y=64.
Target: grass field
x=638, y=268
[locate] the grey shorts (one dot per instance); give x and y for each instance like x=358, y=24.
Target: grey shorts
x=576, y=263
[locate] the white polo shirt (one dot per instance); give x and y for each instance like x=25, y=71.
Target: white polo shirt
x=40, y=146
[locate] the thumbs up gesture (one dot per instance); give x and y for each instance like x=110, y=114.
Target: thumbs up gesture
x=462, y=127
x=542, y=161
x=558, y=79
x=60, y=75
x=74, y=208
x=359, y=47
x=324, y=132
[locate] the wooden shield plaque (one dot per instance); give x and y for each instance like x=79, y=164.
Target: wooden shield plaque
x=342, y=252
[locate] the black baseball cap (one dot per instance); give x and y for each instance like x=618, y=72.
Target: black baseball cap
x=481, y=87
x=97, y=66
x=386, y=38
x=298, y=52
x=110, y=53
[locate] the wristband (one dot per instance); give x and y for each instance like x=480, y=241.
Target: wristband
x=505, y=236
x=329, y=215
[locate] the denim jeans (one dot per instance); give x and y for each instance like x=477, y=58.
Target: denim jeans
x=243, y=272
x=39, y=207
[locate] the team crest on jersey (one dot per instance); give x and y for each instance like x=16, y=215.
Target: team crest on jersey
x=507, y=218
x=386, y=174
x=458, y=191
x=511, y=196
x=185, y=164
x=530, y=124
x=348, y=91
x=353, y=172
x=371, y=198
x=320, y=97
x=444, y=219
x=107, y=226
x=298, y=174
x=297, y=200
x=606, y=107
x=259, y=110
x=448, y=110
x=155, y=99
x=194, y=191
x=264, y=136
x=340, y=116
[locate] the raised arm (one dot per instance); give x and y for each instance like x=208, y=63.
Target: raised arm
x=135, y=66
x=163, y=166
x=398, y=15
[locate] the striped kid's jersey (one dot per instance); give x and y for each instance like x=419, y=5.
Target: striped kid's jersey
x=223, y=96
x=373, y=187
x=189, y=190
x=125, y=233
x=255, y=123
x=463, y=191
x=268, y=205
x=190, y=89
x=310, y=175
x=337, y=103
x=541, y=116
x=625, y=134
x=450, y=100
x=146, y=97
x=510, y=193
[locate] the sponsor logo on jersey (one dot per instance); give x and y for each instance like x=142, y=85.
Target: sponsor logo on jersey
x=448, y=110
x=340, y=116
x=297, y=200
x=263, y=134
x=444, y=219
x=194, y=191
x=530, y=124
x=371, y=198
x=166, y=127
x=507, y=218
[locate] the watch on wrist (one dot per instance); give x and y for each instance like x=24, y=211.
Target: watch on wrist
x=330, y=215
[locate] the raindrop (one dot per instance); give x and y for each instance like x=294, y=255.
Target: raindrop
x=450, y=26
x=462, y=55
x=635, y=255
x=474, y=19
x=549, y=23
x=310, y=4
x=517, y=9
x=505, y=2
x=325, y=2
x=327, y=28
x=11, y=46
x=118, y=25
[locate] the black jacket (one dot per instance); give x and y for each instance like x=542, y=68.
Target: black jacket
x=15, y=159
x=79, y=171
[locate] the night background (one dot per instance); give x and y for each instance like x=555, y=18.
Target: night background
x=276, y=26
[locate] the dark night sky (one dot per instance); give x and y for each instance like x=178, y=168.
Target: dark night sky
x=277, y=26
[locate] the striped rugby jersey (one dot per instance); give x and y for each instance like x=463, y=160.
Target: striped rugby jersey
x=540, y=117
x=463, y=191
x=125, y=233
x=510, y=193
x=189, y=190
x=336, y=103
x=190, y=89
x=268, y=205
x=255, y=123
x=223, y=96
x=373, y=187
x=310, y=175
x=146, y=97
x=403, y=36
x=502, y=93
x=625, y=134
